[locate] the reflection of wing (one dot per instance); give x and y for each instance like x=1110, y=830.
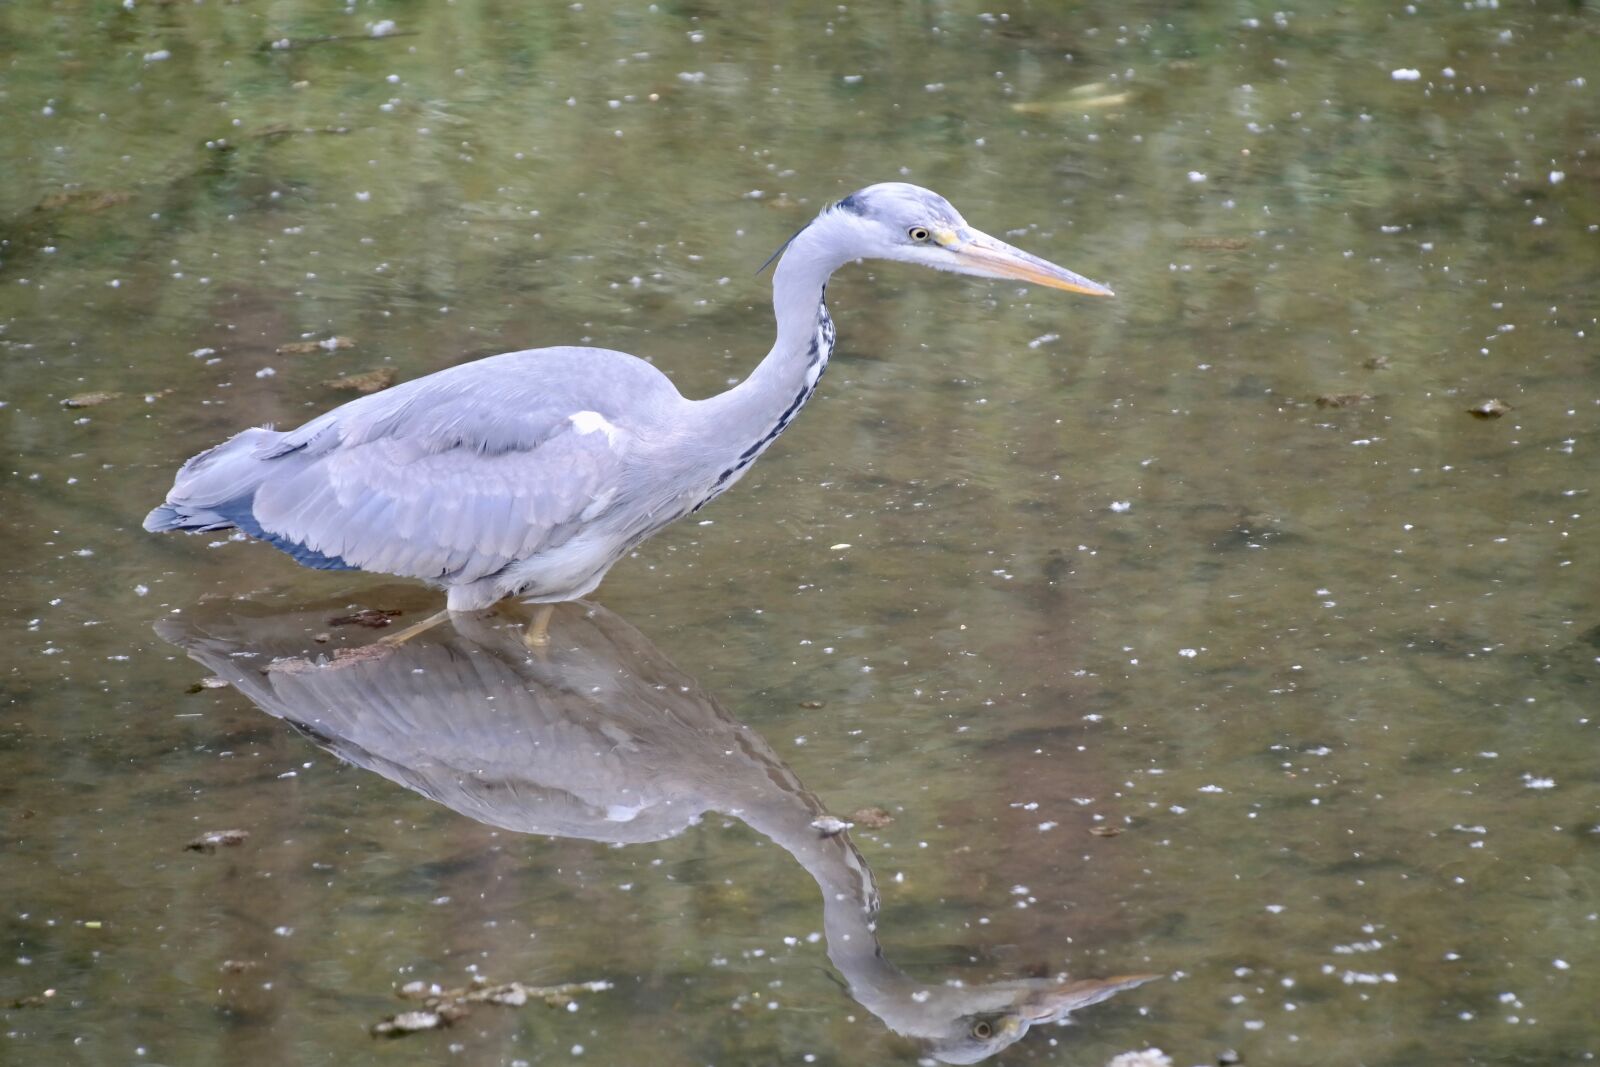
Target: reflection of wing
x=597, y=738
x=473, y=737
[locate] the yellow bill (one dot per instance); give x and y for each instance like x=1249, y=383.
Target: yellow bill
x=978, y=253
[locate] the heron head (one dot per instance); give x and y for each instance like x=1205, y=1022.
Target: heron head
x=895, y=220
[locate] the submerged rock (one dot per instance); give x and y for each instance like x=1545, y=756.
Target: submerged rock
x=212, y=840
x=442, y=1007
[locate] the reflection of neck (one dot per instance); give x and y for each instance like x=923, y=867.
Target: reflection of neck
x=849, y=903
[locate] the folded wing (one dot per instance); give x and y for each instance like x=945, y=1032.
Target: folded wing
x=455, y=507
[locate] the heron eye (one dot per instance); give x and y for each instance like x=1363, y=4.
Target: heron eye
x=919, y=233
x=980, y=1029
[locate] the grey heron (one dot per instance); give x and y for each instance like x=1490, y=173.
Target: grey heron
x=531, y=473
x=600, y=738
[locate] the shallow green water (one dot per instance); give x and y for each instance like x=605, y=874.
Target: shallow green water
x=1330, y=668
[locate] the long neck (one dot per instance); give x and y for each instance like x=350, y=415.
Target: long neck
x=749, y=417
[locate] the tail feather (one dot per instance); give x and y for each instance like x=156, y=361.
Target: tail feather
x=211, y=488
x=216, y=490
x=163, y=518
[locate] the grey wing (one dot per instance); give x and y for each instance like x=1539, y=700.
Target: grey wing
x=443, y=498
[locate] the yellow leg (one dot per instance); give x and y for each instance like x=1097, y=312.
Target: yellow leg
x=537, y=635
x=414, y=629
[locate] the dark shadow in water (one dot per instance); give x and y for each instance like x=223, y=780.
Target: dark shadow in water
x=598, y=736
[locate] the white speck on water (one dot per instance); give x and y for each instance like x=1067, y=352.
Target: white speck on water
x=283, y=931
x=1150, y=1057
x=1120, y=506
x=1534, y=782
x=1044, y=339
x=159, y=55
x=1557, y=177
x=1358, y=946
x=1560, y=965
x=1197, y=176
x=692, y=77
x=381, y=28
x=851, y=79
x=1365, y=977
x=841, y=546
x=1405, y=74
x=265, y=372
x=1178, y=809
x=1188, y=653
x=1212, y=789
x=1275, y=908
x=1046, y=827
x=577, y=1050
x=141, y=590
x=363, y=195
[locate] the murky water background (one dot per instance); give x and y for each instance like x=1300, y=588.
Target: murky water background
x=1224, y=563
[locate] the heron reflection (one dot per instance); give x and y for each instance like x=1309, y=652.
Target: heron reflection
x=597, y=736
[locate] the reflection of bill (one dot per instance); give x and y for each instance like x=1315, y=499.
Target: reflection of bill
x=597, y=737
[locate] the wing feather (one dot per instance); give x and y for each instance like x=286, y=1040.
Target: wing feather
x=451, y=476
x=446, y=506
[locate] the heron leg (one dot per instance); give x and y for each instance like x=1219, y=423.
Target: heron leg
x=537, y=635
x=415, y=628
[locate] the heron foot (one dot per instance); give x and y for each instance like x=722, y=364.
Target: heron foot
x=414, y=629
x=537, y=635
